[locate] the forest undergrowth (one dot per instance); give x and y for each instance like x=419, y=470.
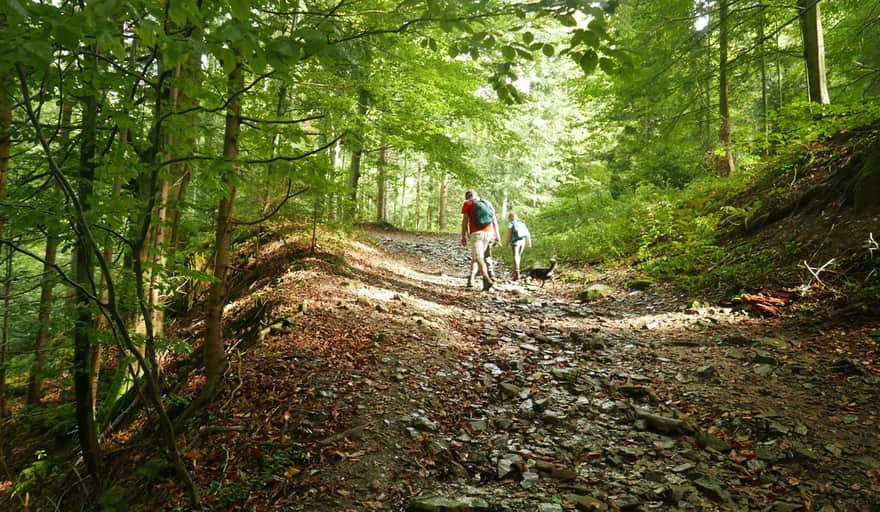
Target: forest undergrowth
x=802, y=225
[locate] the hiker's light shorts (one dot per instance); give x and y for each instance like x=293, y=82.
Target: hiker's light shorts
x=480, y=241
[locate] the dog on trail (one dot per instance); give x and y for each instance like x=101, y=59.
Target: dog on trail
x=542, y=274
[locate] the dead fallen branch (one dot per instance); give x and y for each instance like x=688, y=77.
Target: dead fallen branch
x=664, y=425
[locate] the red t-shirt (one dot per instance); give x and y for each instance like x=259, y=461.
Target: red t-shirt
x=468, y=209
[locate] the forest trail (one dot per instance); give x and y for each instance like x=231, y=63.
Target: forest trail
x=385, y=384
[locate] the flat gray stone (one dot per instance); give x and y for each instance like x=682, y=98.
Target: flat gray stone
x=445, y=504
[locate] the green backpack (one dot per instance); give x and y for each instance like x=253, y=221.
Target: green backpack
x=483, y=213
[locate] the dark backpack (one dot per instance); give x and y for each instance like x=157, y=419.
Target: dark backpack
x=483, y=213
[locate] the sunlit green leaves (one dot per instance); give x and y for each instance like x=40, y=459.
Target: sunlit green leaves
x=599, y=26
x=283, y=52
x=227, y=59
x=585, y=37
x=103, y=9
x=587, y=61
x=567, y=20
x=608, y=66
x=15, y=8
x=257, y=58
x=484, y=39
x=240, y=9
x=67, y=34
x=37, y=53
x=147, y=31
x=108, y=43
x=231, y=32
x=313, y=40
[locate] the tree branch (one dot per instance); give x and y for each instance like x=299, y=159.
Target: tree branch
x=282, y=121
x=275, y=210
x=282, y=158
x=55, y=268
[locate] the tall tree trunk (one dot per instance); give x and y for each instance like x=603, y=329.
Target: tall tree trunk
x=382, y=185
x=442, y=219
x=35, y=379
x=814, y=50
x=765, y=97
x=401, y=197
x=4, y=336
x=725, y=162
x=778, y=65
x=418, y=207
x=183, y=174
x=47, y=281
x=280, y=109
x=354, y=176
x=338, y=162
x=357, y=151
x=156, y=249
x=84, y=324
x=5, y=143
x=708, y=142
x=319, y=198
x=159, y=258
x=5, y=139
x=122, y=375
x=706, y=98
x=215, y=350
x=103, y=324
x=79, y=197
x=183, y=171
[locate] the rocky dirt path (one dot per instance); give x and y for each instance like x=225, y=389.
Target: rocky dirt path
x=388, y=385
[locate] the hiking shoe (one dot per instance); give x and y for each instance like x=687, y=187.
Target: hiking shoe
x=487, y=284
x=516, y=275
x=470, y=283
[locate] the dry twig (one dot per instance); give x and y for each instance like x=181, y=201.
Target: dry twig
x=817, y=271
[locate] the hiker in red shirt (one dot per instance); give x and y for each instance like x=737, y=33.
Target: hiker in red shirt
x=478, y=223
